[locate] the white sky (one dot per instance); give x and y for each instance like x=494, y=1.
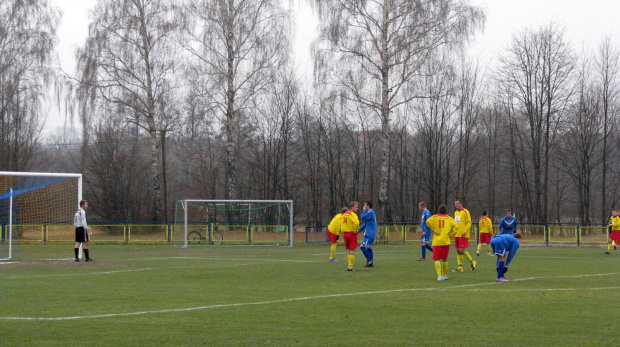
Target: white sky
x=586, y=24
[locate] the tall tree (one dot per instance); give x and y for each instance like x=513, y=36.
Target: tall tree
x=374, y=49
x=607, y=63
x=236, y=46
x=536, y=72
x=128, y=65
x=27, y=39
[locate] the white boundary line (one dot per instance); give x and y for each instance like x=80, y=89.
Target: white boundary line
x=327, y=296
x=81, y=274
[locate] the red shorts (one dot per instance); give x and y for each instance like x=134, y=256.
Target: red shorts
x=461, y=242
x=485, y=238
x=441, y=252
x=615, y=235
x=350, y=240
x=332, y=237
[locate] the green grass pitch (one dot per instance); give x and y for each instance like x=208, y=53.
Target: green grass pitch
x=149, y=295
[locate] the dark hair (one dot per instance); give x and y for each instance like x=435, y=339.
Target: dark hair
x=82, y=202
x=517, y=236
x=484, y=213
x=344, y=210
x=369, y=203
x=508, y=211
x=442, y=209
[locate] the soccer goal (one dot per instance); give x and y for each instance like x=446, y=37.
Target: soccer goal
x=233, y=222
x=36, y=207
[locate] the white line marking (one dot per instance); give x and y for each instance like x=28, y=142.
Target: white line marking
x=303, y=299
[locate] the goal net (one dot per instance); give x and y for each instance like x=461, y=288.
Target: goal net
x=233, y=222
x=36, y=208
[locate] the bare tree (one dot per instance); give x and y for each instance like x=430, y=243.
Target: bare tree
x=237, y=46
x=373, y=49
x=128, y=66
x=607, y=72
x=536, y=73
x=27, y=39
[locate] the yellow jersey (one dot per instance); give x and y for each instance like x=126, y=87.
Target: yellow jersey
x=615, y=223
x=443, y=227
x=350, y=222
x=334, y=225
x=486, y=226
x=463, y=222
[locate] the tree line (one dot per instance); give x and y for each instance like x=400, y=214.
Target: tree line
x=200, y=99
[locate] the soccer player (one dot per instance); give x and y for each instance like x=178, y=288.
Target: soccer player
x=443, y=228
x=486, y=231
x=508, y=224
x=425, y=239
x=349, y=226
x=333, y=231
x=461, y=240
x=369, y=225
x=81, y=231
x=504, y=247
x=614, y=235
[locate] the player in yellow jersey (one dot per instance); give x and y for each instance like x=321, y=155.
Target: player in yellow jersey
x=485, y=226
x=461, y=240
x=349, y=226
x=333, y=232
x=443, y=228
x=614, y=234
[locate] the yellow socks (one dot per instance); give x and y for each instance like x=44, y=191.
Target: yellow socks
x=332, y=251
x=489, y=249
x=438, y=268
x=609, y=247
x=444, y=268
x=459, y=259
x=479, y=247
x=351, y=259
x=467, y=256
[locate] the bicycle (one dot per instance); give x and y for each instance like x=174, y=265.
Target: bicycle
x=194, y=237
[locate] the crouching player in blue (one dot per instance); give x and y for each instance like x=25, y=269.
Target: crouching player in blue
x=504, y=247
x=369, y=225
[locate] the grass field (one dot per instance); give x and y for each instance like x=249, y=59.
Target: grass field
x=149, y=295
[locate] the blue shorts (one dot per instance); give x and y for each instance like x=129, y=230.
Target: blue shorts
x=367, y=242
x=426, y=238
x=499, y=248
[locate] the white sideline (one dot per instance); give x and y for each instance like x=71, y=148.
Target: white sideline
x=311, y=298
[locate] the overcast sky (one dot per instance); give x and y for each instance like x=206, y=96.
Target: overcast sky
x=586, y=24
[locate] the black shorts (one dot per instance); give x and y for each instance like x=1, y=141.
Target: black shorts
x=81, y=235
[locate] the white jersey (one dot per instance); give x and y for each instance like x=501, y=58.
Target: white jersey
x=79, y=219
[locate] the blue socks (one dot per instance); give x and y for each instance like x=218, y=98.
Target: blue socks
x=371, y=255
x=424, y=252
x=365, y=251
x=500, y=269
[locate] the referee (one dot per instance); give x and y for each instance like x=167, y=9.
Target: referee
x=81, y=230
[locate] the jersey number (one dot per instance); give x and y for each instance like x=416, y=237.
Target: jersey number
x=442, y=223
x=344, y=220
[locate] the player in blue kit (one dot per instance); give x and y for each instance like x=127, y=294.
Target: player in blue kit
x=369, y=225
x=425, y=239
x=504, y=247
x=508, y=224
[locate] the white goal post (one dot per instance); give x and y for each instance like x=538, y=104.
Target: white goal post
x=35, y=204
x=214, y=222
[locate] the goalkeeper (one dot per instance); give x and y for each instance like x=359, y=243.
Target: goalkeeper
x=505, y=247
x=333, y=231
x=81, y=231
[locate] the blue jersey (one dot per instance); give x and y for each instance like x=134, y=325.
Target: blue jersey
x=505, y=245
x=425, y=229
x=508, y=225
x=369, y=224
